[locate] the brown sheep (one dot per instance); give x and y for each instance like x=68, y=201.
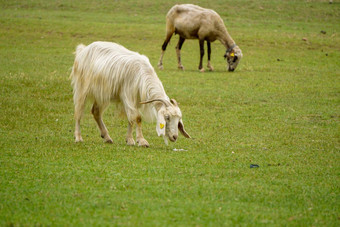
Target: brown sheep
x=194, y=22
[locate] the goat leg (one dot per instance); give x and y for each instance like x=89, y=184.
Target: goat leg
x=97, y=112
x=129, y=137
x=139, y=135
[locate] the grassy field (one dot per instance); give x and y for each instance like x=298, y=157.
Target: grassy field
x=279, y=110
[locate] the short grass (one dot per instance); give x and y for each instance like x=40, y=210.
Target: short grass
x=279, y=109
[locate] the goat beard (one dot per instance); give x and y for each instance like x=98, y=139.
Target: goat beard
x=165, y=140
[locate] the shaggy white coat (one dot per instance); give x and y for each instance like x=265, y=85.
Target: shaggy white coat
x=107, y=72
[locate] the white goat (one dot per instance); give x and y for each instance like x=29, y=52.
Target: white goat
x=194, y=22
x=106, y=72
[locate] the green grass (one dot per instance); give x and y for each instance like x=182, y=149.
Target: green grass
x=280, y=114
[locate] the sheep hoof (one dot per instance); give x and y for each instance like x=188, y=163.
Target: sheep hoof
x=202, y=70
x=143, y=143
x=181, y=67
x=108, y=140
x=160, y=67
x=130, y=141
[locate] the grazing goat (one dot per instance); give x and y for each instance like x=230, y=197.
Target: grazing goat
x=194, y=22
x=106, y=72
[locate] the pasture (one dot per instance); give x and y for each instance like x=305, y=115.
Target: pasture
x=279, y=110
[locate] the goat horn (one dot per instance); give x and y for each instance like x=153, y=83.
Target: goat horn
x=166, y=103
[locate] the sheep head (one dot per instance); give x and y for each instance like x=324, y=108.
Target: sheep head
x=233, y=56
x=169, y=120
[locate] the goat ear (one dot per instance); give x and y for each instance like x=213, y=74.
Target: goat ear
x=161, y=124
x=182, y=130
x=174, y=102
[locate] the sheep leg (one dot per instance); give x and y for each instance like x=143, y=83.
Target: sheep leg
x=209, y=53
x=178, y=52
x=165, y=44
x=139, y=135
x=129, y=137
x=97, y=112
x=201, y=42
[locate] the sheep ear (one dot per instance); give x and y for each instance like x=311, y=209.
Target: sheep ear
x=182, y=130
x=161, y=124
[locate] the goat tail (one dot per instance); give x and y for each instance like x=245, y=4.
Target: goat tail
x=79, y=48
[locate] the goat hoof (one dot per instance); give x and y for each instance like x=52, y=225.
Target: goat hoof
x=130, y=142
x=143, y=143
x=79, y=139
x=181, y=67
x=211, y=68
x=202, y=70
x=160, y=67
